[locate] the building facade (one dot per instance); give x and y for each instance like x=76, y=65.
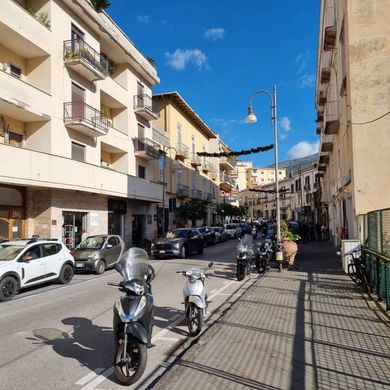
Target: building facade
x=352, y=99
x=76, y=150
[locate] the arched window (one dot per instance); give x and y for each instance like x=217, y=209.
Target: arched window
x=10, y=197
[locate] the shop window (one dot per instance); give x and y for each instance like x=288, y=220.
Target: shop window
x=78, y=152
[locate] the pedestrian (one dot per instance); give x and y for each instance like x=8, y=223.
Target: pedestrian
x=84, y=235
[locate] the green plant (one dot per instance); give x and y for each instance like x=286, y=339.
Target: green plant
x=44, y=19
x=100, y=5
x=152, y=61
x=193, y=210
x=285, y=232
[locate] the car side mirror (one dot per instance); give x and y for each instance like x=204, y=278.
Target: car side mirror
x=108, y=246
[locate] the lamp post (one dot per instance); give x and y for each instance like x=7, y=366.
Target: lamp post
x=164, y=153
x=251, y=118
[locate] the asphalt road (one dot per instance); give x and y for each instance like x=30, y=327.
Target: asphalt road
x=60, y=337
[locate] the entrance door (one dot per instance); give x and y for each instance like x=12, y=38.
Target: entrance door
x=11, y=225
x=72, y=229
x=78, y=99
x=138, y=227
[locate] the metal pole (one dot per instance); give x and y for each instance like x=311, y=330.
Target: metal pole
x=163, y=196
x=279, y=254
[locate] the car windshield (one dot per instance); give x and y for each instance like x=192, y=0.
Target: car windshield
x=217, y=229
x=9, y=252
x=134, y=264
x=203, y=229
x=230, y=226
x=177, y=234
x=92, y=243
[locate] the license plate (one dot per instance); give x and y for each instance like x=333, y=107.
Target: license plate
x=162, y=251
x=79, y=265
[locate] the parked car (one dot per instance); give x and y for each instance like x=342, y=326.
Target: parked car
x=208, y=235
x=178, y=242
x=97, y=253
x=232, y=230
x=220, y=234
x=25, y=263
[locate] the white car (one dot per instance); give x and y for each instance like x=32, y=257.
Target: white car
x=232, y=230
x=25, y=263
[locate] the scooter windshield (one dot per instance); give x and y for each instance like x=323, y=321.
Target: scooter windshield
x=134, y=264
x=245, y=243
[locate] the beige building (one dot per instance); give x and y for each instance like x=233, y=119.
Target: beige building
x=263, y=176
x=76, y=143
x=352, y=96
x=187, y=176
x=241, y=173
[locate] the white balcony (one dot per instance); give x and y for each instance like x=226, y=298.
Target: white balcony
x=30, y=168
x=145, y=107
x=226, y=164
x=146, y=148
x=21, y=32
x=22, y=101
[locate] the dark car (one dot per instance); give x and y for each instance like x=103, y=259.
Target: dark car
x=208, y=235
x=220, y=234
x=178, y=242
x=96, y=253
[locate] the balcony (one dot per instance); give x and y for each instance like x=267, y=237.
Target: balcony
x=182, y=151
x=226, y=183
x=206, y=166
x=85, y=60
x=195, y=160
x=213, y=172
x=226, y=164
x=183, y=191
x=207, y=197
x=326, y=147
x=330, y=23
x=324, y=159
x=145, y=107
x=160, y=136
x=146, y=148
x=318, y=130
x=81, y=117
x=196, y=194
x=25, y=167
x=326, y=67
x=19, y=31
x=332, y=118
x=321, y=98
x=22, y=101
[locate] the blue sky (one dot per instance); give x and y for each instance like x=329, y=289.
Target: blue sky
x=217, y=53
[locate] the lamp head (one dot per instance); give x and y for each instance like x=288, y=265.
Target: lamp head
x=251, y=117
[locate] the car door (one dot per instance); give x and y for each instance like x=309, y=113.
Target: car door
x=113, y=250
x=33, y=266
x=195, y=239
x=53, y=259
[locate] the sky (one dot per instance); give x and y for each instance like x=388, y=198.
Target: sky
x=216, y=53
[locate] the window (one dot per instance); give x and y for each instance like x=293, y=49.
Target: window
x=78, y=152
x=16, y=72
x=113, y=241
x=50, y=249
x=141, y=171
x=178, y=133
x=298, y=184
x=15, y=139
x=32, y=253
x=292, y=188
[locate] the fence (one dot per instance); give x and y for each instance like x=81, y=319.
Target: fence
x=377, y=252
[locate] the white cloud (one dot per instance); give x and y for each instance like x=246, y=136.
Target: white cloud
x=282, y=136
x=145, y=19
x=303, y=149
x=223, y=122
x=214, y=33
x=307, y=80
x=179, y=59
x=285, y=123
x=302, y=60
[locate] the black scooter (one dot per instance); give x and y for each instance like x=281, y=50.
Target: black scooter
x=133, y=317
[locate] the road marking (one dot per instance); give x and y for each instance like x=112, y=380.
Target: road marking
x=89, y=377
x=173, y=339
x=222, y=288
x=213, y=291
x=226, y=281
x=101, y=378
x=168, y=328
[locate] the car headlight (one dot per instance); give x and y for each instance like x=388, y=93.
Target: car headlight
x=152, y=247
x=177, y=245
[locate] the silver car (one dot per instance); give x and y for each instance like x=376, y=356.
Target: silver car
x=96, y=253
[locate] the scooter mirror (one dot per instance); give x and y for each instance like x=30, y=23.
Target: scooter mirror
x=211, y=264
x=338, y=253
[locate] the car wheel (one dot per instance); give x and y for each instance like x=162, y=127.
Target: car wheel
x=100, y=267
x=8, y=288
x=183, y=252
x=201, y=250
x=66, y=274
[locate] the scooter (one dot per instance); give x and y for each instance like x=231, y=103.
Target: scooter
x=133, y=316
x=195, y=298
x=246, y=255
x=264, y=256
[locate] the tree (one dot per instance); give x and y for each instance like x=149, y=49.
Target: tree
x=232, y=211
x=100, y=5
x=193, y=210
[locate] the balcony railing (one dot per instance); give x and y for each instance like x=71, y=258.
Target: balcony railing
x=183, y=191
x=332, y=118
x=160, y=136
x=207, y=197
x=87, y=61
x=206, y=166
x=84, y=118
x=182, y=150
x=195, y=160
x=227, y=179
x=146, y=148
x=196, y=194
x=227, y=162
x=330, y=23
x=326, y=64
x=146, y=107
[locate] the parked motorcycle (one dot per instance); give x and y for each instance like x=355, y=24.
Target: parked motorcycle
x=195, y=298
x=264, y=256
x=133, y=315
x=246, y=255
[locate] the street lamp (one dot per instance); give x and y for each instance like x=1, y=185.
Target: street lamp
x=164, y=153
x=251, y=118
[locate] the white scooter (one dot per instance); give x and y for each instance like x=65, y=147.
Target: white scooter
x=195, y=298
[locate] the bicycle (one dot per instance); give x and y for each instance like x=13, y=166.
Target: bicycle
x=356, y=269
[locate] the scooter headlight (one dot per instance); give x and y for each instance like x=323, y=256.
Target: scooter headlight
x=140, y=308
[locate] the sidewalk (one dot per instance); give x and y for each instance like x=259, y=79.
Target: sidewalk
x=306, y=329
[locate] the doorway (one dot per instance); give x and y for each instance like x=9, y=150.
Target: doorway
x=12, y=213
x=72, y=228
x=138, y=229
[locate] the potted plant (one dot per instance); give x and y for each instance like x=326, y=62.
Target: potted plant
x=289, y=245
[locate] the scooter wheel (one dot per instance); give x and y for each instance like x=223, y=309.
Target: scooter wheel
x=240, y=273
x=194, y=319
x=131, y=370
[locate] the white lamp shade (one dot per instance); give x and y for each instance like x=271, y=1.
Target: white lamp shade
x=251, y=117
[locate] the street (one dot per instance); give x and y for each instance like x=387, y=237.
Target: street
x=60, y=337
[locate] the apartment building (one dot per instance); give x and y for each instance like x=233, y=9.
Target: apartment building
x=352, y=98
x=241, y=174
x=262, y=176
x=76, y=143
x=187, y=176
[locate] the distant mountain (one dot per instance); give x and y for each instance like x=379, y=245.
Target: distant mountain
x=294, y=166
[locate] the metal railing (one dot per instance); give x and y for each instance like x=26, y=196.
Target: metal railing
x=183, y=191
x=82, y=112
x=76, y=49
x=207, y=197
x=196, y=194
x=146, y=102
x=160, y=136
x=227, y=179
x=195, y=159
x=227, y=160
x=182, y=150
x=148, y=146
x=376, y=253
x=330, y=15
